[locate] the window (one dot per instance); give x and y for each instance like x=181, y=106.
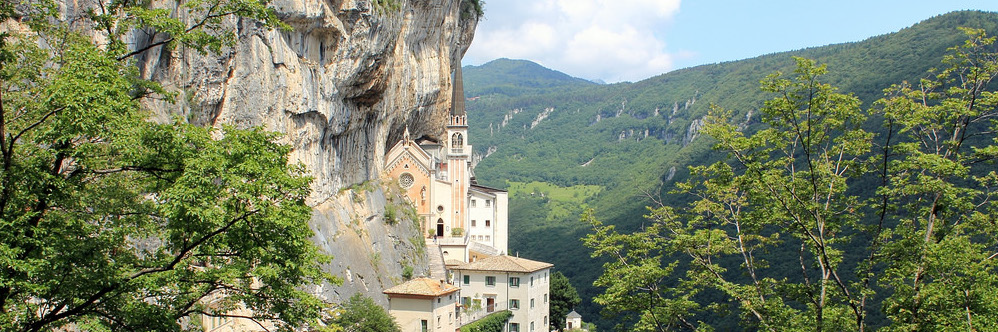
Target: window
x=406, y=180
x=514, y=304
x=457, y=140
x=545, y=320
x=531, y=281
x=514, y=282
x=438, y=321
x=472, y=203
x=438, y=300
x=472, y=221
x=450, y=317
x=531, y=303
x=423, y=324
x=488, y=238
x=514, y=327
x=466, y=302
x=531, y=326
x=467, y=279
x=545, y=298
x=488, y=202
x=488, y=223
x=490, y=281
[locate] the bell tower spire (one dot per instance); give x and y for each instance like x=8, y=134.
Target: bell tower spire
x=457, y=100
x=458, y=152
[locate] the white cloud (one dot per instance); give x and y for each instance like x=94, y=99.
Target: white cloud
x=613, y=40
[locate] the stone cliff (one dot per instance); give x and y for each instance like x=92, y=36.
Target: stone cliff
x=341, y=85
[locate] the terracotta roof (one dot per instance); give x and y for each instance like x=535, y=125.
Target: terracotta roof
x=423, y=287
x=505, y=263
x=453, y=262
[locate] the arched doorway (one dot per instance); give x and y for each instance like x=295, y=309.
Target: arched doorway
x=440, y=227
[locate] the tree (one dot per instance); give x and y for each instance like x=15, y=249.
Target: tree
x=112, y=222
x=813, y=220
x=564, y=298
x=361, y=314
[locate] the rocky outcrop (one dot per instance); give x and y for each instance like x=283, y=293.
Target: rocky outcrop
x=341, y=85
x=371, y=248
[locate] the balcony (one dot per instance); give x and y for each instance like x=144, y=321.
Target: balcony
x=471, y=315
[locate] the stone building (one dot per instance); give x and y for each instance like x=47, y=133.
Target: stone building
x=424, y=304
x=503, y=282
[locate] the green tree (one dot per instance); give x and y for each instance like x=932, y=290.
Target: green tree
x=564, y=298
x=111, y=222
x=361, y=314
x=811, y=217
x=940, y=236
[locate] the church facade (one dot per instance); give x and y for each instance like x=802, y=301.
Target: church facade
x=467, y=220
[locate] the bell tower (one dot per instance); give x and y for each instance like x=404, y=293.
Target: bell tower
x=458, y=152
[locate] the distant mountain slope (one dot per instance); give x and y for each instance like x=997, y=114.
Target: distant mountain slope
x=631, y=141
x=516, y=77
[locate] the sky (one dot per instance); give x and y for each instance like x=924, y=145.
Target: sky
x=630, y=40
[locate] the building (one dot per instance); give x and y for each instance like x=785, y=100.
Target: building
x=573, y=321
x=424, y=304
x=469, y=224
x=506, y=283
x=468, y=220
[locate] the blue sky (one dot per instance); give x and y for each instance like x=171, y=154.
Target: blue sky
x=630, y=40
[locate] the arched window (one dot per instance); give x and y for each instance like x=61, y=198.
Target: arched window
x=457, y=140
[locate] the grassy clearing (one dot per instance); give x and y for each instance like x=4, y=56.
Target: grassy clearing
x=561, y=202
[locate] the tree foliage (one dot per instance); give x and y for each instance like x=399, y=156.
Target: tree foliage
x=494, y=322
x=815, y=223
x=110, y=221
x=564, y=298
x=361, y=314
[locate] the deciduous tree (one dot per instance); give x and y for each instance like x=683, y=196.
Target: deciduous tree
x=812, y=220
x=564, y=298
x=361, y=314
x=110, y=221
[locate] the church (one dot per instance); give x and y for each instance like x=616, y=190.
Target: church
x=467, y=220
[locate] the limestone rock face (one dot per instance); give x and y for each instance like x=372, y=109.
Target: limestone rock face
x=342, y=86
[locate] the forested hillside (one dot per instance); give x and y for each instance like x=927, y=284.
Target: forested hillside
x=561, y=144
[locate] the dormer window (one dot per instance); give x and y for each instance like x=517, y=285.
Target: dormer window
x=457, y=141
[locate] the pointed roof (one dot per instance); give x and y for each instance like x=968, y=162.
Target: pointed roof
x=457, y=102
x=422, y=287
x=573, y=314
x=505, y=263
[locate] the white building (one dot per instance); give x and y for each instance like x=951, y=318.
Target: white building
x=424, y=304
x=468, y=220
x=506, y=283
x=573, y=321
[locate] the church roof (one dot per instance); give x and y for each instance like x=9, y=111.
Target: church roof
x=422, y=287
x=487, y=189
x=573, y=314
x=505, y=263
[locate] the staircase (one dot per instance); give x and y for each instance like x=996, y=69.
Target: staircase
x=437, y=269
